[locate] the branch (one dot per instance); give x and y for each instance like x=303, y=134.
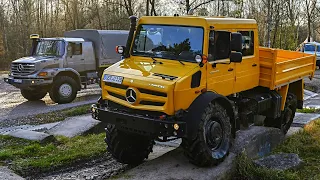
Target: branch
x=206, y=2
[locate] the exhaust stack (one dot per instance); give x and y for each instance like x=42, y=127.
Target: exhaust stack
x=133, y=23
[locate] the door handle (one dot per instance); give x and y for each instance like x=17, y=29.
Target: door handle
x=82, y=59
x=230, y=69
x=254, y=65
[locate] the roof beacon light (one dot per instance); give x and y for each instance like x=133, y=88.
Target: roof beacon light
x=34, y=36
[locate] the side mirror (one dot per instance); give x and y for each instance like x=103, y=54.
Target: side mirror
x=201, y=60
x=236, y=57
x=236, y=42
x=120, y=49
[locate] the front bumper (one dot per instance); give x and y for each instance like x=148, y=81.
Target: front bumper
x=27, y=83
x=139, y=124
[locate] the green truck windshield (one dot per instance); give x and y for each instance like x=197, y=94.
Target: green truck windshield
x=168, y=42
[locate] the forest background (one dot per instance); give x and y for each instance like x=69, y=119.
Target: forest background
x=282, y=23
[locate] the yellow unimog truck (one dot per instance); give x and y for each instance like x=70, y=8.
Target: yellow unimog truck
x=200, y=79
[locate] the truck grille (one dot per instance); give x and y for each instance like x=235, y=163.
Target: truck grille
x=161, y=97
x=22, y=69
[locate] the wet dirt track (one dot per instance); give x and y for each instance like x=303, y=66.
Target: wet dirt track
x=13, y=105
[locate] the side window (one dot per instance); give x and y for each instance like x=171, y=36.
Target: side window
x=219, y=45
x=76, y=48
x=247, y=43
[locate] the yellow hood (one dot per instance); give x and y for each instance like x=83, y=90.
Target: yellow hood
x=143, y=66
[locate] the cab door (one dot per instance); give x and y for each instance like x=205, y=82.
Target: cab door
x=247, y=72
x=75, y=57
x=220, y=77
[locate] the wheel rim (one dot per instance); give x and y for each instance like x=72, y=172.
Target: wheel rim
x=65, y=90
x=213, y=135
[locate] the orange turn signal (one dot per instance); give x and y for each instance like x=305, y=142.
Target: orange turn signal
x=204, y=59
x=119, y=49
x=43, y=74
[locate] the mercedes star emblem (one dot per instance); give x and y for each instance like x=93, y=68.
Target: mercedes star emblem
x=131, y=95
x=20, y=67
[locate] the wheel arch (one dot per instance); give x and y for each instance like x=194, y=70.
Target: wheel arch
x=70, y=73
x=197, y=108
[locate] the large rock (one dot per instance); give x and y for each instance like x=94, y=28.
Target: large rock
x=255, y=142
x=173, y=165
x=32, y=135
x=78, y=125
x=282, y=161
x=293, y=130
x=7, y=174
x=302, y=119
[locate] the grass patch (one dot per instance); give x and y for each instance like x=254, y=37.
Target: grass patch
x=305, y=143
x=308, y=110
x=247, y=170
x=30, y=158
x=8, y=141
x=61, y=115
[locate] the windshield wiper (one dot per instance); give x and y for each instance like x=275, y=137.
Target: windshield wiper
x=154, y=60
x=181, y=62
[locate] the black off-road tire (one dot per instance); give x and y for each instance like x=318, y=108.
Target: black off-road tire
x=285, y=120
x=58, y=97
x=33, y=95
x=199, y=150
x=126, y=147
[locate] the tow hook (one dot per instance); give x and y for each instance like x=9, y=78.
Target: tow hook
x=94, y=111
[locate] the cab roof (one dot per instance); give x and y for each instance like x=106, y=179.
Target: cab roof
x=312, y=43
x=63, y=39
x=196, y=20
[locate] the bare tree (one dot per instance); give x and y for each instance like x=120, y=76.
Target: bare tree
x=310, y=6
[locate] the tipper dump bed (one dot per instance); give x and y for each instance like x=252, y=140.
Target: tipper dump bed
x=280, y=67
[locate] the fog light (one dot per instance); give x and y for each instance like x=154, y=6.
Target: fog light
x=176, y=126
x=32, y=82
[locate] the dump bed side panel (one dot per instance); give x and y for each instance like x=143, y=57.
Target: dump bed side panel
x=281, y=67
x=267, y=62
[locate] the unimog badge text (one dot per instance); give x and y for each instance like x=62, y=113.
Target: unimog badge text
x=156, y=85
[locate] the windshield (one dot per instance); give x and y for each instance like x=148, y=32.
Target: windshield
x=168, y=42
x=50, y=48
x=309, y=47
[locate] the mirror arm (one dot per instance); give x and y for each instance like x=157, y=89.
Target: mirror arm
x=223, y=61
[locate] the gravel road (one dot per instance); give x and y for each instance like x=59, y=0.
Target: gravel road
x=105, y=167
x=13, y=105
x=98, y=169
